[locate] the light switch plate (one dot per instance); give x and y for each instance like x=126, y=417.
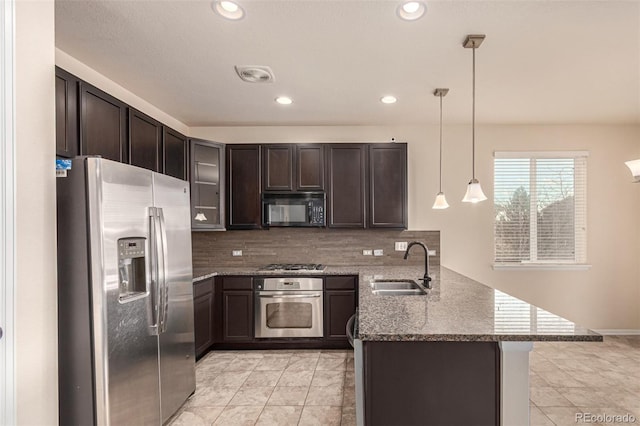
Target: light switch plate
x=432, y=252
x=367, y=252
x=236, y=253
x=401, y=245
x=378, y=252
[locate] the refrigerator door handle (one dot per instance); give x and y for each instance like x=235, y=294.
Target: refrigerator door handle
x=164, y=288
x=155, y=271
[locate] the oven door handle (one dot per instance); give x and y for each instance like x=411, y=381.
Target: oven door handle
x=288, y=296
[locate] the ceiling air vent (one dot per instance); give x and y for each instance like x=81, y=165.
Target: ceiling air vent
x=255, y=73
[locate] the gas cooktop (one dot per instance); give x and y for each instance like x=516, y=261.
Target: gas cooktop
x=310, y=267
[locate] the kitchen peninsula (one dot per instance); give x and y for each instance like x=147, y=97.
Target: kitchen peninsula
x=458, y=355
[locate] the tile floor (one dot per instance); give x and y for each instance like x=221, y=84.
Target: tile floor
x=595, y=378
x=317, y=387
x=302, y=387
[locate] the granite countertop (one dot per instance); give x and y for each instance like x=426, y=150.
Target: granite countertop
x=204, y=273
x=457, y=308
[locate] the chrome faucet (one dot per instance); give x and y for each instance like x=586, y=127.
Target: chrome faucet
x=426, y=279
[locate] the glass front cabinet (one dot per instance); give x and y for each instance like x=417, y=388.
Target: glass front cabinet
x=207, y=185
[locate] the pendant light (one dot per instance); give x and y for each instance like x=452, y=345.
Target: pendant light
x=441, y=201
x=634, y=166
x=474, y=190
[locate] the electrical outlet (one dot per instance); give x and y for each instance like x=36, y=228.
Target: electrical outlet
x=401, y=245
x=236, y=253
x=367, y=252
x=432, y=252
x=378, y=252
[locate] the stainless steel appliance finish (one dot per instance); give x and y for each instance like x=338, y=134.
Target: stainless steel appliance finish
x=293, y=209
x=126, y=342
x=305, y=267
x=176, y=341
x=288, y=307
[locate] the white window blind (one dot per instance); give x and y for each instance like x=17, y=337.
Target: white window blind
x=513, y=316
x=540, y=207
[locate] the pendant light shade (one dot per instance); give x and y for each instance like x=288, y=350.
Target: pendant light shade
x=200, y=217
x=474, y=192
x=441, y=201
x=634, y=166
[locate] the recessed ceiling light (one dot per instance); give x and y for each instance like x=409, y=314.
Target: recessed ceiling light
x=411, y=10
x=228, y=9
x=284, y=100
x=388, y=99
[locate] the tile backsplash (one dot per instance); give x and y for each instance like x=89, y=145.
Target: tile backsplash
x=313, y=245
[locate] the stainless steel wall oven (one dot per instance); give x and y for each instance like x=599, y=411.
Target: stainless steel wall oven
x=288, y=307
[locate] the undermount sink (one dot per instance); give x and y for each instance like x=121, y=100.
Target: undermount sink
x=397, y=288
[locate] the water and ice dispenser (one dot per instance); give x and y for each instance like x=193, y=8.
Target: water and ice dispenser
x=132, y=274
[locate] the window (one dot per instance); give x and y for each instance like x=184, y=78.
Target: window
x=540, y=208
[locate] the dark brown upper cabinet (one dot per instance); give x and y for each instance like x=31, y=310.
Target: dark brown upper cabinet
x=388, y=185
x=145, y=141
x=175, y=153
x=243, y=183
x=207, y=185
x=103, y=124
x=347, y=185
x=277, y=167
x=66, y=114
x=309, y=167
x=292, y=167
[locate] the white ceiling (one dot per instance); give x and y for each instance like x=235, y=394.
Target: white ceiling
x=542, y=61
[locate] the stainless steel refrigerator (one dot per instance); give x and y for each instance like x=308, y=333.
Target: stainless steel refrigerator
x=125, y=304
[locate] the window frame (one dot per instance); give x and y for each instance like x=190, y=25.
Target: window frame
x=580, y=218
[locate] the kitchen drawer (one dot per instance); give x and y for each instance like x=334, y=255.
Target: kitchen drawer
x=237, y=283
x=341, y=282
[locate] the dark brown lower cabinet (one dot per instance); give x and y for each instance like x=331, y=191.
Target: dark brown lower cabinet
x=203, y=313
x=237, y=309
x=224, y=315
x=238, y=315
x=339, y=305
x=431, y=383
x=338, y=308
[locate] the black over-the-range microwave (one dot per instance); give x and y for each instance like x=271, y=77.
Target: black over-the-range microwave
x=293, y=209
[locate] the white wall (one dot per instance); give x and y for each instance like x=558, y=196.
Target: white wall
x=605, y=297
x=88, y=74
x=36, y=331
